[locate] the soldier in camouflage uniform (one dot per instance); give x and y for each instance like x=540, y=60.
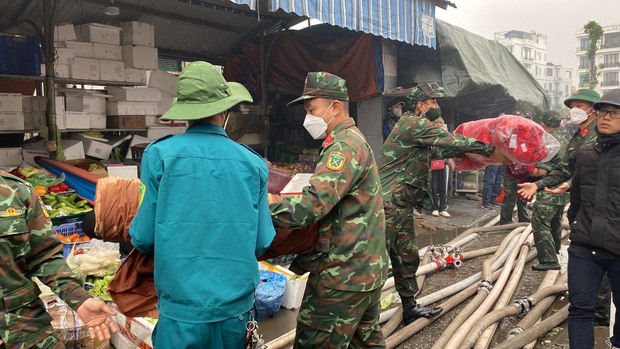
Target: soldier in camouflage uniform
x=29, y=249
x=404, y=167
x=549, y=208
x=510, y=198
x=348, y=267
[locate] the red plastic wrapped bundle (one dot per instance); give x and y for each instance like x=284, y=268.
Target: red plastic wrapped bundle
x=520, y=140
x=519, y=172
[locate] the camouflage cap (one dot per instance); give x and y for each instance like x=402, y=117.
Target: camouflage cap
x=583, y=94
x=323, y=85
x=423, y=92
x=552, y=118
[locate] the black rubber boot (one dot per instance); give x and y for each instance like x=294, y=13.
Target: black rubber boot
x=413, y=311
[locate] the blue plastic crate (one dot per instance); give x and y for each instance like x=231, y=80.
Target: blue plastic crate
x=66, y=230
x=20, y=55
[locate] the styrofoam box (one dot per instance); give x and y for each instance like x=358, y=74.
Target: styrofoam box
x=84, y=68
x=142, y=57
x=150, y=120
x=64, y=32
x=96, y=32
x=295, y=284
x=137, y=33
x=131, y=108
x=94, y=103
x=111, y=70
x=125, y=171
x=95, y=147
x=134, y=94
x=136, y=139
x=137, y=76
x=12, y=120
x=155, y=132
x=10, y=156
x=82, y=49
x=73, y=150
x=36, y=112
x=165, y=103
x=77, y=120
x=10, y=102
x=97, y=120
x=66, y=55
x=163, y=81
x=108, y=52
x=61, y=70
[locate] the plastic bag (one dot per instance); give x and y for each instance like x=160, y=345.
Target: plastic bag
x=97, y=258
x=519, y=172
x=269, y=293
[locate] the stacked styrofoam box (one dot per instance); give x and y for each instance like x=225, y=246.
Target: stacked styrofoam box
x=96, y=147
x=11, y=111
x=167, y=84
x=138, y=40
x=92, y=104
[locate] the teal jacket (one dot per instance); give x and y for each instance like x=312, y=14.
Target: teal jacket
x=206, y=218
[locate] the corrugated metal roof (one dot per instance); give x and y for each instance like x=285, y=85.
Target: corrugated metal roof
x=202, y=29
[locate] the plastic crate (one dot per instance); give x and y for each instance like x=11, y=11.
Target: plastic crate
x=20, y=55
x=58, y=221
x=67, y=230
x=137, y=151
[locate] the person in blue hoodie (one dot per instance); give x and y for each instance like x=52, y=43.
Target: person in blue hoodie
x=204, y=216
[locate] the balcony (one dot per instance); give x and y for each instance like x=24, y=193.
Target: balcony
x=611, y=65
x=610, y=45
x=583, y=66
x=609, y=83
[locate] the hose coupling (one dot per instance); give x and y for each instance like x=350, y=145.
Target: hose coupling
x=524, y=304
x=485, y=285
x=515, y=331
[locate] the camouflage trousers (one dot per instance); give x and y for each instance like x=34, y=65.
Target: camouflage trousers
x=402, y=248
x=330, y=318
x=50, y=342
x=547, y=230
x=508, y=204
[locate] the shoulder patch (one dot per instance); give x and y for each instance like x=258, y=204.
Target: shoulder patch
x=336, y=160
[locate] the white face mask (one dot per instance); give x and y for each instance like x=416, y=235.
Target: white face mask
x=577, y=115
x=397, y=112
x=316, y=126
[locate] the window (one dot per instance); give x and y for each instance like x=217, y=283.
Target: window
x=549, y=71
x=526, y=54
x=583, y=62
x=610, y=79
x=611, y=60
x=584, y=44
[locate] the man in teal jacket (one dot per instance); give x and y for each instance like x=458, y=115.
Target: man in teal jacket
x=204, y=216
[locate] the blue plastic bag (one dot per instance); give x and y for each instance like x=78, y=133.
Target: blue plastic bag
x=269, y=293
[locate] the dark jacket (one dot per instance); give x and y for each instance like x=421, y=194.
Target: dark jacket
x=595, y=197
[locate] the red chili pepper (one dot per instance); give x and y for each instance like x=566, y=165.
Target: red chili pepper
x=54, y=189
x=63, y=186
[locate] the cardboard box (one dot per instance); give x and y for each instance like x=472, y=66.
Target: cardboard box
x=155, y=132
x=133, y=332
x=126, y=121
x=66, y=55
x=134, y=94
x=137, y=33
x=96, y=32
x=123, y=171
x=64, y=32
x=108, y=52
x=131, y=108
x=82, y=49
x=141, y=57
x=98, y=120
x=111, y=70
x=137, y=76
x=12, y=120
x=84, y=68
x=163, y=81
x=295, y=284
x=10, y=102
x=93, y=146
x=165, y=103
x=94, y=103
x=72, y=330
x=77, y=120
x=10, y=156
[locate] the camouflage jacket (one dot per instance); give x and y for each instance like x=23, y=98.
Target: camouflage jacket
x=404, y=162
x=566, y=165
x=563, y=135
x=28, y=249
x=344, y=196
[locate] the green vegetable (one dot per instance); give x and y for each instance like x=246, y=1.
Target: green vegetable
x=101, y=286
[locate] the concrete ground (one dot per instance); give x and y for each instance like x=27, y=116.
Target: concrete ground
x=431, y=230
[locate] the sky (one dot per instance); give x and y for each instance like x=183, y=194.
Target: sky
x=560, y=20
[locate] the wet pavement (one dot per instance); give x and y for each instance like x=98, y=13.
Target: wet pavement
x=431, y=230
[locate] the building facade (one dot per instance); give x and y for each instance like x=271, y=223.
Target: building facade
x=608, y=55
x=530, y=48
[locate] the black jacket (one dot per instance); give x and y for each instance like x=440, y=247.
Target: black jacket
x=595, y=197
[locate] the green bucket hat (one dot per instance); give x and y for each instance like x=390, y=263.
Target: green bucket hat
x=423, y=92
x=552, y=118
x=323, y=85
x=202, y=92
x=583, y=94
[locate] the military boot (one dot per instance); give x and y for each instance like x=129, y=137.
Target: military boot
x=413, y=311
